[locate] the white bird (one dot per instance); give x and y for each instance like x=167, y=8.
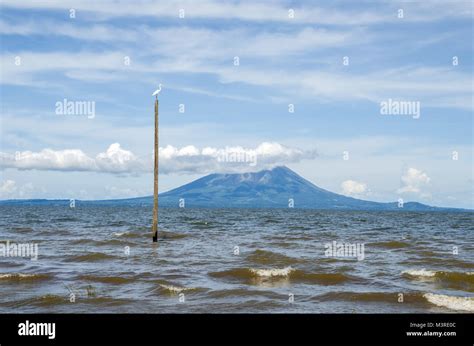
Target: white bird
x=157, y=91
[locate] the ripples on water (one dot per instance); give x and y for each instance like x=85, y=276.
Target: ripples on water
x=231, y=260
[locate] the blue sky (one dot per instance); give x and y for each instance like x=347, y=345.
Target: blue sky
x=114, y=54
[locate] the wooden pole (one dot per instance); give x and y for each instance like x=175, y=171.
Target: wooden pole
x=155, y=174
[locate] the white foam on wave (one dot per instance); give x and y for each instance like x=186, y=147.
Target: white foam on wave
x=175, y=289
x=17, y=275
x=430, y=273
x=420, y=272
x=451, y=302
x=272, y=272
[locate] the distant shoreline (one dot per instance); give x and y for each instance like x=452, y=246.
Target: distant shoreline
x=129, y=202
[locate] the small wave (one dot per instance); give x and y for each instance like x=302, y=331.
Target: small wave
x=128, y=234
x=107, y=279
x=426, y=253
x=271, y=221
x=109, y=242
x=244, y=292
x=11, y=265
x=420, y=272
x=162, y=234
x=170, y=288
x=269, y=257
x=202, y=225
x=381, y=228
x=451, y=302
x=22, y=229
x=64, y=219
x=451, y=276
x=106, y=301
x=458, y=263
x=323, y=278
x=23, y=277
x=170, y=235
x=248, y=273
x=298, y=228
x=81, y=241
x=49, y=300
x=272, y=272
x=119, y=224
x=93, y=242
x=175, y=289
x=41, y=301
x=438, y=261
x=90, y=257
x=285, y=244
x=458, y=280
x=255, y=276
x=386, y=297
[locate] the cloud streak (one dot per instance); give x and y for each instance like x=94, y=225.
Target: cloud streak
x=251, y=11
x=274, y=59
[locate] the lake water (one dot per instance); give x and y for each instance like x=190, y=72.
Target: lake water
x=101, y=259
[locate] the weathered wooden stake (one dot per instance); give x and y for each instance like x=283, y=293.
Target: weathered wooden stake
x=155, y=173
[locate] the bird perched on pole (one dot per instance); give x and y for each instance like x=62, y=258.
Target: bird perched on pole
x=157, y=91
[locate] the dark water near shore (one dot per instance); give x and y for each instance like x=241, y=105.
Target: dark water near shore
x=238, y=261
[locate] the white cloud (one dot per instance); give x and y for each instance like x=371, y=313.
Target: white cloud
x=7, y=188
x=351, y=187
x=48, y=159
x=117, y=160
x=114, y=160
x=10, y=190
x=413, y=181
x=188, y=159
x=229, y=159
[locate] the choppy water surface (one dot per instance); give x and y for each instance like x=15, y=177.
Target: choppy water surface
x=231, y=260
